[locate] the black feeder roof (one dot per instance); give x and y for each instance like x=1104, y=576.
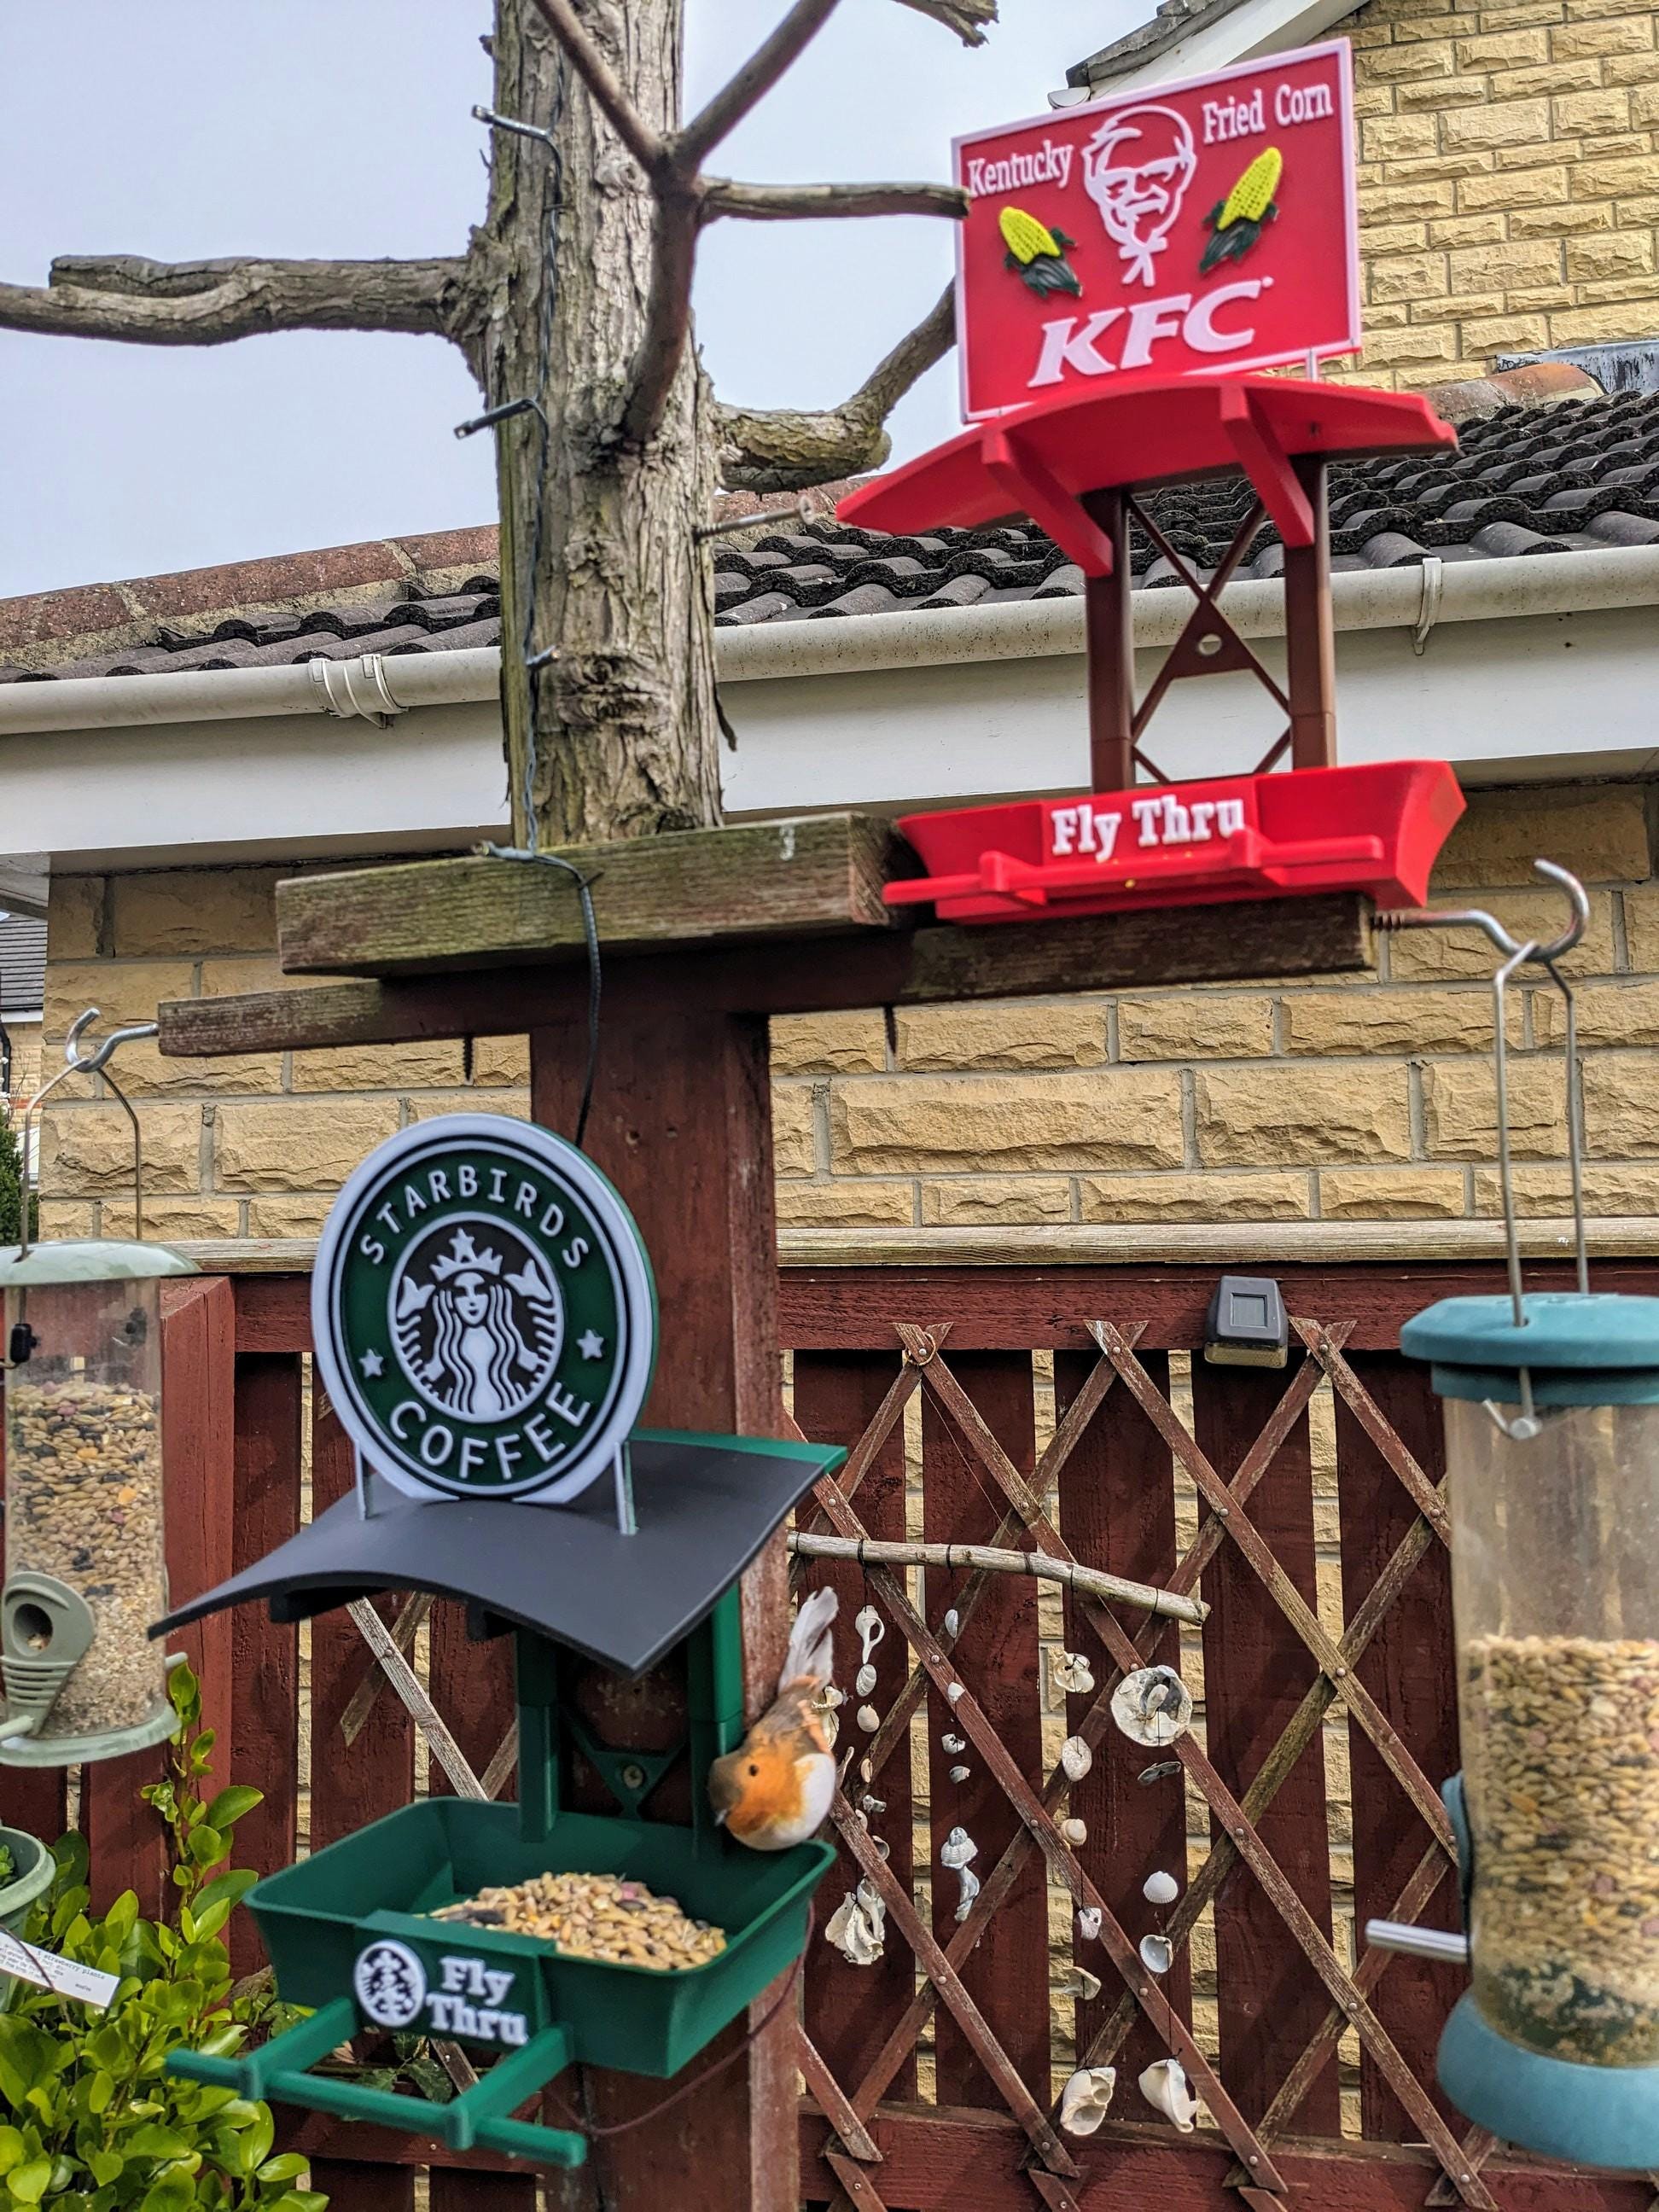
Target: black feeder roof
x=705, y=1506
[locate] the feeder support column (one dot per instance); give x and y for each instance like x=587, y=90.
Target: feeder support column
x=681, y=1122
x=1109, y=622
x=1310, y=633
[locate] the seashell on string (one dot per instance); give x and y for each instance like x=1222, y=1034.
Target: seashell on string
x=867, y=1772
x=868, y=1804
x=1075, y=1830
x=1160, y=1889
x=870, y=1628
x=953, y=1690
x=957, y=1848
x=858, y=1927
x=864, y=1680
x=1078, y=1982
x=970, y=1882
x=960, y=1773
x=953, y=1743
x=1160, y=1772
x=1152, y=1706
x=1157, y=1953
x=1070, y=1674
x=1165, y=2086
x=1088, y=1922
x=951, y=1624
x=1076, y=1757
x=869, y=1719
x=1084, y=2101
x=825, y=1703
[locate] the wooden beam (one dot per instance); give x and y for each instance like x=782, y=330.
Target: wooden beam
x=1328, y=935
x=816, y=877
x=971, y=2161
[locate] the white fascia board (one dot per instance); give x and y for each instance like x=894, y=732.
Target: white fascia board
x=880, y=711
x=1242, y=34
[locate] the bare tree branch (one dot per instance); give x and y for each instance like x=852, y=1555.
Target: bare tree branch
x=751, y=83
x=967, y=18
x=142, y=302
x=591, y=66
x=787, y=202
x=788, y=449
x=667, y=313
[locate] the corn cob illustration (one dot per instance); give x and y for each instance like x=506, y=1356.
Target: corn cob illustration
x=1237, y=220
x=1037, y=254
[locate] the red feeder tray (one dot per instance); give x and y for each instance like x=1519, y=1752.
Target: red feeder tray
x=1075, y=465
x=1375, y=829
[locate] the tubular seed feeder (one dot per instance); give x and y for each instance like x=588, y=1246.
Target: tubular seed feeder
x=1552, y=1411
x=455, y=1241
x=85, y=1555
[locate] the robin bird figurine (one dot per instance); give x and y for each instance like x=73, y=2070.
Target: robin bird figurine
x=774, y=1791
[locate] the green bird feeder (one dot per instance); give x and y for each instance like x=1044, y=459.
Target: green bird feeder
x=480, y=1292
x=1552, y=1416
x=85, y=1539
x=1552, y=1448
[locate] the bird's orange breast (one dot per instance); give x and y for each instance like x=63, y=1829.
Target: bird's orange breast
x=771, y=1796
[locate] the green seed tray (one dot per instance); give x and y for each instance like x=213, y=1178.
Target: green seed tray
x=379, y=1885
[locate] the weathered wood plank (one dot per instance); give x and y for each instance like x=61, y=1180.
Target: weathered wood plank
x=849, y=2011
x=1409, y=1668
x=877, y=968
x=1116, y=1508
x=947, y=2160
x=824, y=1307
x=815, y=876
x=1254, y=1676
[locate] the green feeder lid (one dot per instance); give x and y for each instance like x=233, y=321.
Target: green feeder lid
x=90, y=1259
x=1577, y=1349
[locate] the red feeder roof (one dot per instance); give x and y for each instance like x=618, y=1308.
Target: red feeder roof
x=1042, y=460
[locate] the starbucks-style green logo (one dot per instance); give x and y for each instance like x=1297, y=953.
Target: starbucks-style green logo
x=484, y=1312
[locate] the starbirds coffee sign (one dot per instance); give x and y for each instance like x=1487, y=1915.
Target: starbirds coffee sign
x=1184, y=229
x=484, y=1312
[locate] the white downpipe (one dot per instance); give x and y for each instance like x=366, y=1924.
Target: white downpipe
x=379, y=688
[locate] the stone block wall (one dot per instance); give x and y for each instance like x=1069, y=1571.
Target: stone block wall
x=1508, y=180
x=1363, y=1100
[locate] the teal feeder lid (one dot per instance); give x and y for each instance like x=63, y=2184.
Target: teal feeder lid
x=1577, y=1349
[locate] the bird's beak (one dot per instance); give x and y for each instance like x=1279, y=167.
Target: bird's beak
x=720, y=1817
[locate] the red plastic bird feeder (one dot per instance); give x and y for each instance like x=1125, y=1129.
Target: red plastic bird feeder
x=1079, y=466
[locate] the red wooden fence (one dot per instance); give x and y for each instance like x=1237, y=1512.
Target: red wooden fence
x=1061, y=1407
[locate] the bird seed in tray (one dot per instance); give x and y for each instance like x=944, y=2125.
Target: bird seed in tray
x=603, y=1916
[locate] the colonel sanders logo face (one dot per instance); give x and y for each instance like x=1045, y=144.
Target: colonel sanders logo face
x=1136, y=170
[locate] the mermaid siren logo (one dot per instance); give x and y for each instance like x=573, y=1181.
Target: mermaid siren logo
x=1136, y=170
x=476, y=1335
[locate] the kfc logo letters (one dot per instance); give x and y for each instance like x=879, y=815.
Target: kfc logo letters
x=1209, y=226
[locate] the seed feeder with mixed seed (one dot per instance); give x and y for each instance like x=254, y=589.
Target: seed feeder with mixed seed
x=1552, y=1413
x=85, y=1558
x=485, y=1325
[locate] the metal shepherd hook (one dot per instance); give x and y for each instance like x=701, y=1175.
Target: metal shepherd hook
x=1531, y=953
x=95, y=1062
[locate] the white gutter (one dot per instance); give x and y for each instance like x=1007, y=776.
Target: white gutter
x=376, y=688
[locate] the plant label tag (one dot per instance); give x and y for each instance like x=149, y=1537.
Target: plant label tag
x=46, y=1971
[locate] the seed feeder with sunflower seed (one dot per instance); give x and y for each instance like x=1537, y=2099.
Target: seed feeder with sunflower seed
x=85, y=1553
x=483, y=1311
x=1552, y=1416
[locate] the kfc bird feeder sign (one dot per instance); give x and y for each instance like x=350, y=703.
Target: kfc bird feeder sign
x=1182, y=230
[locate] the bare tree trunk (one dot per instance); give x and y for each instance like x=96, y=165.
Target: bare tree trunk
x=615, y=734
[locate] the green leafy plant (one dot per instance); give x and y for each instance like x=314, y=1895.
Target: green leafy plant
x=13, y=1185
x=95, y=2123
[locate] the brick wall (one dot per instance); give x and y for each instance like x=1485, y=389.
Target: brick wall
x=1363, y=1100
x=1508, y=180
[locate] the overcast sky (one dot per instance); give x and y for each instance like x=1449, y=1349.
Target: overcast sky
x=183, y=128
